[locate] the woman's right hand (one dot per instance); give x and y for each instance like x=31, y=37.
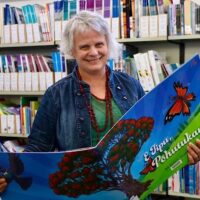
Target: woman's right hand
x=3, y=184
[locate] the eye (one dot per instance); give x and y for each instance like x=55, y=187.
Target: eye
x=84, y=47
x=99, y=45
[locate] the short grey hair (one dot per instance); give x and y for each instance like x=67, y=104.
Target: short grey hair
x=83, y=21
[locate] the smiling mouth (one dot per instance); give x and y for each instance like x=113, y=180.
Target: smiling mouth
x=93, y=60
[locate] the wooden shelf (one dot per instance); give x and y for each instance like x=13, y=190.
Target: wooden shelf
x=34, y=44
x=184, y=37
x=122, y=40
x=186, y=195
x=157, y=39
x=21, y=93
x=14, y=135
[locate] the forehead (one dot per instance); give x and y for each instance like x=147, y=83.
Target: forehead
x=88, y=36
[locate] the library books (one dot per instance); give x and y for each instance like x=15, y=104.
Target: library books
x=44, y=23
x=184, y=18
x=144, y=148
x=16, y=120
x=151, y=68
x=29, y=72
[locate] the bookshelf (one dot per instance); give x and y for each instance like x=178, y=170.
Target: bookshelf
x=142, y=40
x=35, y=44
x=14, y=135
x=184, y=195
x=178, y=49
x=21, y=93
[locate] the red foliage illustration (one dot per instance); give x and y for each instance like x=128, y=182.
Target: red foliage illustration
x=106, y=167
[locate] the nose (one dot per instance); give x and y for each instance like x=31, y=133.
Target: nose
x=93, y=51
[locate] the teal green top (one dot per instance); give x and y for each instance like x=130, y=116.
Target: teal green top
x=100, y=113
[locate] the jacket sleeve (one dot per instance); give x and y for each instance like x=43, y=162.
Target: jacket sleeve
x=43, y=132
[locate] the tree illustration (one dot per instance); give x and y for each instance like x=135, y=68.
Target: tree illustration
x=106, y=167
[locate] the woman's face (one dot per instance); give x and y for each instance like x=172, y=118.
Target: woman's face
x=90, y=51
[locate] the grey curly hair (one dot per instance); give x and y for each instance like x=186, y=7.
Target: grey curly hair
x=81, y=22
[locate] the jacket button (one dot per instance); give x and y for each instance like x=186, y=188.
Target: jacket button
x=124, y=97
x=80, y=106
x=81, y=118
x=118, y=87
x=78, y=94
x=82, y=134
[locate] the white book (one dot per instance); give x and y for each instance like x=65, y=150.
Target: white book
x=156, y=60
x=10, y=123
x=22, y=33
x=21, y=81
x=1, y=24
x=153, y=26
x=29, y=33
x=144, y=28
x=42, y=81
x=41, y=21
x=7, y=81
x=162, y=25
x=51, y=17
x=140, y=71
x=28, y=81
x=1, y=82
x=17, y=124
x=148, y=70
x=14, y=81
x=187, y=17
x=4, y=127
x=35, y=81
x=14, y=33
x=6, y=34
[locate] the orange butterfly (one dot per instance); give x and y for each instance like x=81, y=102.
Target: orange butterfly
x=181, y=102
x=149, y=167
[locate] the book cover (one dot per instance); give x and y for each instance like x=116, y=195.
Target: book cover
x=144, y=148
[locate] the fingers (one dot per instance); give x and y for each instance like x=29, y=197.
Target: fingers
x=194, y=152
x=3, y=184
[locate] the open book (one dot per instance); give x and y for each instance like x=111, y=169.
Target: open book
x=144, y=148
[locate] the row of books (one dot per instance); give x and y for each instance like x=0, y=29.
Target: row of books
x=151, y=68
x=18, y=119
x=143, y=18
x=35, y=63
x=184, y=17
x=37, y=23
x=29, y=23
x=187, y=180
x=126, y=18
x=27, y=72
x=148, y=18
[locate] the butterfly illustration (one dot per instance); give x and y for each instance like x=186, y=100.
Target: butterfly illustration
x=181, y=102
x=149, y=167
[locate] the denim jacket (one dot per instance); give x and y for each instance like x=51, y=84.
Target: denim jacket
x=62, y=120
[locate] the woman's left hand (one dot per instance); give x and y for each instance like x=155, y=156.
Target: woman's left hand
x=194, y=152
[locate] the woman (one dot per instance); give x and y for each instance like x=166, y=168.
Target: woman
x=78, y=110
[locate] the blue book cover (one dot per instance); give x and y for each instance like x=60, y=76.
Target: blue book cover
x=7, y=15
x=65, y=10
x=115, y=9
x=72, y=8
x=58, y=10
x=142, y=150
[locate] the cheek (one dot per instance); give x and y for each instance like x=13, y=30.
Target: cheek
x=105, y=51
x=78, y=55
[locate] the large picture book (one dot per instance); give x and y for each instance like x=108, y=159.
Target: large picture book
x=142, y=150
